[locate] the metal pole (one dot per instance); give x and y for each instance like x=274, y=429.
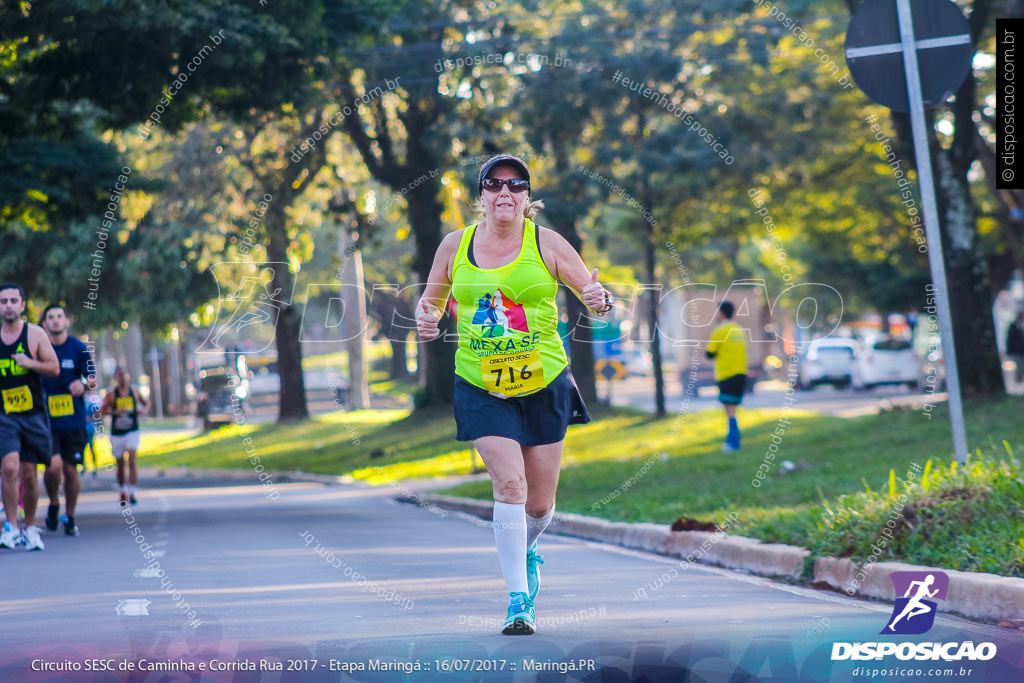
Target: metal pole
x=155, y=392
x=931, y=225
x=175, y=349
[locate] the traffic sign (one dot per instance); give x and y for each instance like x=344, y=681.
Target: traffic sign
x=610, y=348
x=874, y=51
x=938, y=31
x=610, y=369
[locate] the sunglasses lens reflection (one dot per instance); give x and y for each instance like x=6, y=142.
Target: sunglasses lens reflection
x=513, y=184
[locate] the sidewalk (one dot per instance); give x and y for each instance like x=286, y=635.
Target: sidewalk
x=986, y=597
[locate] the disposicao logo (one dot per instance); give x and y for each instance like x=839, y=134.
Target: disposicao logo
x=914, y=614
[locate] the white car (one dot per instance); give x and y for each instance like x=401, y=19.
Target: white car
x=829, y=361
x=888, y=361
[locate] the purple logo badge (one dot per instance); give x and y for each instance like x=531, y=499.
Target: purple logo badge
x=914, y=613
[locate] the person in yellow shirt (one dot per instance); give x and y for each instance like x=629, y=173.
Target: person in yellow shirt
x=728, y=348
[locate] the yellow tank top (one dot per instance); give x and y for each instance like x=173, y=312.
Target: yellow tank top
x=507, y=320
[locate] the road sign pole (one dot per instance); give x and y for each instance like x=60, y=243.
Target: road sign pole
x=931, y=225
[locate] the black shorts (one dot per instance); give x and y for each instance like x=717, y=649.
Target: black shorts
x=730, y=390
x=70, y=445
x=533, y=420
x=29, y=435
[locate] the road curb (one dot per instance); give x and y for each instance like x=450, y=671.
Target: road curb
x=987, y=597
x=732, y=552
x=248, y=475
x=972, y=594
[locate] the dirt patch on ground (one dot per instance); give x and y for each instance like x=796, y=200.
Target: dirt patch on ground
x=689, y=524
x=952, y=502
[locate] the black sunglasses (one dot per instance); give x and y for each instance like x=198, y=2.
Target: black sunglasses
x=514, y=185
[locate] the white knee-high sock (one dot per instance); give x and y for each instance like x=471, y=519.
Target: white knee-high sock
x=510, y=537
x=535, y=526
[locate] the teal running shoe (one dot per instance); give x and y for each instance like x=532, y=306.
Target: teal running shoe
x=520, y=621
x=533, y=562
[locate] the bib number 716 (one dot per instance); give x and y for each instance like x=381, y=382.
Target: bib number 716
x=514, y=373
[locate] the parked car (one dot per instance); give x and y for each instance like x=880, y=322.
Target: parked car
x=829, y=361
x=887, y=360
x=220, y=391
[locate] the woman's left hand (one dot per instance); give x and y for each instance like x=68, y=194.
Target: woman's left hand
x=595, y=295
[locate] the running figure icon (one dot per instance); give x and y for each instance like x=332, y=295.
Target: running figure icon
x=914, y=606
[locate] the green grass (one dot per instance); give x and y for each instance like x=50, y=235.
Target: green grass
x=841, y=464
x=335, y=443
x=628, y=466
x=961, y=517
x=339, y=359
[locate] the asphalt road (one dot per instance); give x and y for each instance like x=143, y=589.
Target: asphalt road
x=266, y=576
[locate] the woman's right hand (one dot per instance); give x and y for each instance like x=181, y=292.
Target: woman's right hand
x=427, y=320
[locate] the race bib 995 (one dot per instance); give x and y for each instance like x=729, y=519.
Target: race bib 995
x=17, y=400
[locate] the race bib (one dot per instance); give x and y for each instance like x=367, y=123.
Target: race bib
x=17, y=400
x=61, y=405
x=126, y=403
x=512, y=374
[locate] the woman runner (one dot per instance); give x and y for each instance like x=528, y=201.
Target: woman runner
x=514, y=393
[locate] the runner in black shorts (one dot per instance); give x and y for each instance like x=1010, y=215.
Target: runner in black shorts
x=124, y=404
x=728, y=348
x=25, y=356
x=66, y=403
x=514, y=393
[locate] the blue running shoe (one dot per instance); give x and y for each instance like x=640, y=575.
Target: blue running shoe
x=520, y=621
x=533, y=562
x=11, y=536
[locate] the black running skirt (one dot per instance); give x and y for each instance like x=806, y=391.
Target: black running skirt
x=539, y=418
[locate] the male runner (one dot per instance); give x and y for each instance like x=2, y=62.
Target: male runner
x=25, y=356
x=123, y=404
x=66, y=403
x=728, y=348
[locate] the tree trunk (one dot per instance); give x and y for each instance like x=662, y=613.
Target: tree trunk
x=581, y=347
x=399, y=360
x=292, y=405
x=654, y=293
x=970, y=298
x=436, y=357
x=564, y=215
x=387, y=308
x=974, y=334
x=355, y=318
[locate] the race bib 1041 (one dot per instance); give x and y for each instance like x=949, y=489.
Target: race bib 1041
x=61, y=405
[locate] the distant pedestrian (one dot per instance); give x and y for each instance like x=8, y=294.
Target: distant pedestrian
x=728, y=348
x=1015, y=346
x=124, y=404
